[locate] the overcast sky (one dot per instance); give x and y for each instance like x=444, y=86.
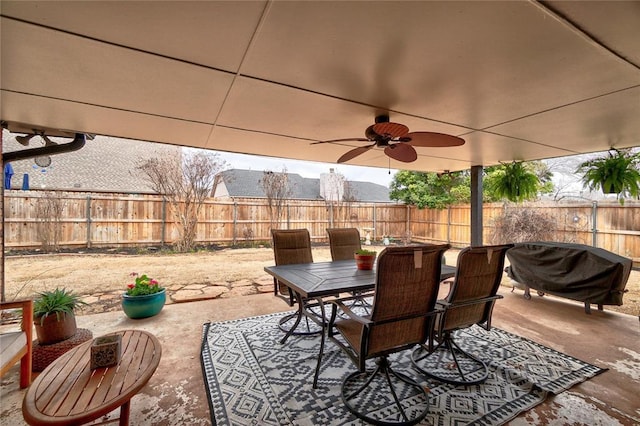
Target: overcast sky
x=564, y=178
x=307, y=169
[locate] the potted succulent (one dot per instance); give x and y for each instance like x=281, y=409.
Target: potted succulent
x=616, y=173
x=144, y=297
x=54, y=315
x=365, y=259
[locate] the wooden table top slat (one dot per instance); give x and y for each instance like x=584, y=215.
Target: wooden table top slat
x=85, y=398
x=53, y=387
x=106, y=383
x=126, y=377
x=69, y=392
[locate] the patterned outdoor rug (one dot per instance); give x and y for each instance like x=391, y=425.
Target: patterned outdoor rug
x=252, y=379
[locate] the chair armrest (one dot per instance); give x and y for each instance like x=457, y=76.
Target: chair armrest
x=350, y=313
x=16, y=304
x=448, y=305
x=27, y=314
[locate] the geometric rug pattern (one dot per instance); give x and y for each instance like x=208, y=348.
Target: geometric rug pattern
x=252, y=379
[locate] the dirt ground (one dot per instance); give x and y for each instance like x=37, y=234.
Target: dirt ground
x=90, y=274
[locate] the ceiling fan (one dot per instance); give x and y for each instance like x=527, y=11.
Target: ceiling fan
x=396, y=140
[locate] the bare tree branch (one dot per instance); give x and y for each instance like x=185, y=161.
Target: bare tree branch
x=185, y=183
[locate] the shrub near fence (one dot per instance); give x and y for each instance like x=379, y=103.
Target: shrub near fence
x=110, y=220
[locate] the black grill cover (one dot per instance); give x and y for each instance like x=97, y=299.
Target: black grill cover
x=574, y=271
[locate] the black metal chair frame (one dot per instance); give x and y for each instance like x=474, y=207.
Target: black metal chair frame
x=362, y=379
x=448, y=343
x=446, y=339
x=291, y=299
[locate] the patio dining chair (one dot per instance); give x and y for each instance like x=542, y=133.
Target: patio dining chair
x=406, y=290
x=291, y=246
x=343, y=242
x=470, y=301
x=17, y=346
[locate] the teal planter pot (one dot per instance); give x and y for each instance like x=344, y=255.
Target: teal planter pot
x=136, y=307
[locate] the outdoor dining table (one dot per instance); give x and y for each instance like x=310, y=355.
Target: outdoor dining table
x=319, y=280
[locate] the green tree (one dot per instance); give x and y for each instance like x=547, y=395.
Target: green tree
x=437, y=191
x=431, y=190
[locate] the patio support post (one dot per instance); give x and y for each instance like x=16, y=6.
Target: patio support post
x=476, y=206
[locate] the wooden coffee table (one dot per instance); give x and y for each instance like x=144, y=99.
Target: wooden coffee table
x=69, y=392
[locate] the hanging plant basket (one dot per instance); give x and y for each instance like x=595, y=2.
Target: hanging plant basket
x=616, y=173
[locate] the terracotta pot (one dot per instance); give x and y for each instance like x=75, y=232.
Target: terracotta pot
x=365, y=261
x=52, y=330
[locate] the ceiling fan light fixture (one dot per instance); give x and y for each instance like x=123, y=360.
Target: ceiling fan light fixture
x=390, y=130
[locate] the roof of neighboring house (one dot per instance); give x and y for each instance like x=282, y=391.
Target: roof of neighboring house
x=246, y=184
x=104, y=164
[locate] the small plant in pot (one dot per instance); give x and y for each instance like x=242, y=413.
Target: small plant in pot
x=54, y=315
x=365, y=259
x=144, y=298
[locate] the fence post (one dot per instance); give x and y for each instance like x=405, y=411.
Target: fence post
x=288, y=217
x=163, y=229
x=448, y=224
x=235, y=221
x=374, y=222
x=88, y=213
x=330, y=206
x=594, y=220
x=407, y=228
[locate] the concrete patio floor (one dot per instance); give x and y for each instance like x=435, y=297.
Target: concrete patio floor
x=175, y=395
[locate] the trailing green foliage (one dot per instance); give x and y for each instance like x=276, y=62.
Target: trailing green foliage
x=58, y=301
x=616, y=173
x=365, y=252
x=514, y=181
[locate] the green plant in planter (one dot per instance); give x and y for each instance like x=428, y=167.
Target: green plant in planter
x=58, y=302
x=616, y=173
x=53, y=315
x=365, y=252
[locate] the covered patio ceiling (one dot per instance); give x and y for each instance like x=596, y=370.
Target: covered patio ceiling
x=518, y=80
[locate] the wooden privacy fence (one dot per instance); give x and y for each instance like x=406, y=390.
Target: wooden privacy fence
x=36, y=219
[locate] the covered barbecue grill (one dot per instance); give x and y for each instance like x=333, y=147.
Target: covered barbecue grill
x=574, y=271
